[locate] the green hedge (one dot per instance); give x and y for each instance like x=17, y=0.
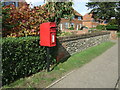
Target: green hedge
x=111, y=27
x=102, y=27
x=71, y=28
x=107, y=27
x=21, y=57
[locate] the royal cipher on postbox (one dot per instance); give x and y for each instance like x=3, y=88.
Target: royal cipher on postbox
x=48, y=34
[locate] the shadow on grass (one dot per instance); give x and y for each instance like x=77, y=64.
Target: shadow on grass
x=61, y=61
x=59, y=53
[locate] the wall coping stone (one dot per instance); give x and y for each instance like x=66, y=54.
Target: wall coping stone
x=81, y=36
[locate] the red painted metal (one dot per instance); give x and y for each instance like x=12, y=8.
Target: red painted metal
x=48, y=34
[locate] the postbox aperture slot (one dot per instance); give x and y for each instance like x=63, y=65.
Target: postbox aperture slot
x=52, y=27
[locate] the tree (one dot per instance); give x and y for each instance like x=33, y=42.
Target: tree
x=105, y=10
x=22, y=21
x=112, y=22
x=59, y=10
x=25, y=21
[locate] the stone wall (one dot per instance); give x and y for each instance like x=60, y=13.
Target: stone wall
x=72, y=44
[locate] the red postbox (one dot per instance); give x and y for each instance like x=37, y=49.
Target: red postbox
x=48, y=34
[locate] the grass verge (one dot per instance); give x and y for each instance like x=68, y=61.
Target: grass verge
x=43, y=79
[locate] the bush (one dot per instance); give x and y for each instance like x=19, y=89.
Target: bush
x=112, y=22
x=112, y=27
x=71, y=28
x=107, y=27
x=102, y=27
x=21, y=57
x=80, y=29
x=22, y=21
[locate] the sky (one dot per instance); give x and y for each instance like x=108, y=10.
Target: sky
x=78, y=5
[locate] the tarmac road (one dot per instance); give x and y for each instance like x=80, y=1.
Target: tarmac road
x=101, y=72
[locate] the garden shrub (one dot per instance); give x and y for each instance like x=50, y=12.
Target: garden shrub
x=22, y=21
x=102, y=27
x=111, y=27
x=71, y=28
x=22, y=57
x=112, y=22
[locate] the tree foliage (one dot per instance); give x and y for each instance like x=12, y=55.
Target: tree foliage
x=112, y=22
x=105, y=10
x=25, y=21
x=59, y=10
x=22, y=21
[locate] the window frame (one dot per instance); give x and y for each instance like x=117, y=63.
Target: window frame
x=79, y=18
x=66, y=25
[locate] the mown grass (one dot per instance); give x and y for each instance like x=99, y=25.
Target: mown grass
x=43, y=79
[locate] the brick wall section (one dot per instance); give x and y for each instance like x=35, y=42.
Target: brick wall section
x=113, y=34
x=88, y=21
x=77, y=43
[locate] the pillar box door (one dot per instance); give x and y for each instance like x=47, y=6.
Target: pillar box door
x=48, y=34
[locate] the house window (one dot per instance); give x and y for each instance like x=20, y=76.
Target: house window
x=79, y=18
x=8, y=3
x=66, y=25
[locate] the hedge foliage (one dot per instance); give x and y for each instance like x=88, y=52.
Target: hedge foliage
x=22, y=57
x=112, y=27
x=102, y=27
x=107, y=27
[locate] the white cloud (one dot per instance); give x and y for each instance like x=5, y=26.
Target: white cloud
x=81, y=0
x=81, y=8
x=79, y=5
x=83, y=13
x=34, y=1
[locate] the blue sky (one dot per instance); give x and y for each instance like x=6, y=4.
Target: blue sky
x=78, y=6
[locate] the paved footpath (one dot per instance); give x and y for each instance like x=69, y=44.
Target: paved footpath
x=101, y=72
